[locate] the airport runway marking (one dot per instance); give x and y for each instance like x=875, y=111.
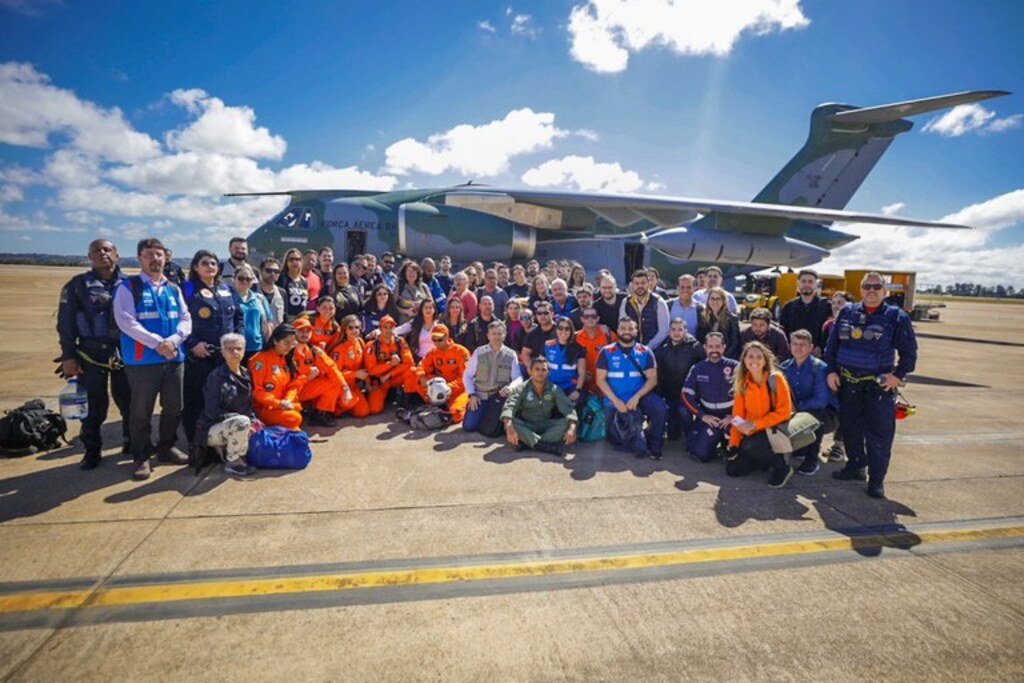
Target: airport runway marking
x=120, y=596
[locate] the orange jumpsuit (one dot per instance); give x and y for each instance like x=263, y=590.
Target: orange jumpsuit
x=378, y=364
x=450, y=364
x=326, y=333
x=349, y=357
x=593, y=348
x=329, y=388
x=271, y=384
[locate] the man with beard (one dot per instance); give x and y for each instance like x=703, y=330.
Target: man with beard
x=627, y=374
x=270, y=271
x=707, y=394
x=440, y=296
x=676, y=356
x=238, y=252
x=89, y=340
x=808, y=311
x=609, y=305
x=648, y=310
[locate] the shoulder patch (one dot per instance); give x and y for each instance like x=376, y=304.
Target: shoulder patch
x=257, y=366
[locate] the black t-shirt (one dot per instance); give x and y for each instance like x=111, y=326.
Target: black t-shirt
x=608, y=314
x=535, y=339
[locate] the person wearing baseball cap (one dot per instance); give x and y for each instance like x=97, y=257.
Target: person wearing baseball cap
x=388, y=360
x=447, y=360
x=325, y=389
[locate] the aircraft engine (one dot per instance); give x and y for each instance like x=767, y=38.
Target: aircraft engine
x=430, y=230
x=711, y=246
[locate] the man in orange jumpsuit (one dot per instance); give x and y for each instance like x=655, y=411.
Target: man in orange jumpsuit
x=275, y=389
x=389, y=361
x=447, y=360
x=349, y=355
x=327, y=388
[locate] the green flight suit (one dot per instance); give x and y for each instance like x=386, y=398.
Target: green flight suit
x=539, y=418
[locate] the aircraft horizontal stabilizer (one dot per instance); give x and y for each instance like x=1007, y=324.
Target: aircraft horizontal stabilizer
x=898, y=110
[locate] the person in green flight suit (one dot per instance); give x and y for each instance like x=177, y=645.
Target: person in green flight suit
x=538, y=414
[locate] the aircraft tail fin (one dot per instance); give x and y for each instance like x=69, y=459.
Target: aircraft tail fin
x=844, y=144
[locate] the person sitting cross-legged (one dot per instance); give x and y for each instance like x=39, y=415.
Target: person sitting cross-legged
x=538, y=414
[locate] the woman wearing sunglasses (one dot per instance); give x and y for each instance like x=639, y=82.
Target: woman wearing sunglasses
x=255, y=311
x=212, y=306
x=567, y=361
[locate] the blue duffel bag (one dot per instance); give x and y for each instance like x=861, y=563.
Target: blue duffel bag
x=278, y=448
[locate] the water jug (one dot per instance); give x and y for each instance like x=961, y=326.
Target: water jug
x=74, y=402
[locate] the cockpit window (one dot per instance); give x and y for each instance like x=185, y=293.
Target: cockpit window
x=296, y=217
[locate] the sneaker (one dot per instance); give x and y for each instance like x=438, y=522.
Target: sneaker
x=239, y=468
x=656, y=455
x=876, y=490
x=837, y=452
x=809, y=466
x=851, y=474
x=142, y=470
x=780, y=476
x=172, y=455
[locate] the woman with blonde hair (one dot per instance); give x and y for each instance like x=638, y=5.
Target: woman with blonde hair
x=716, y=317
x=761, y=400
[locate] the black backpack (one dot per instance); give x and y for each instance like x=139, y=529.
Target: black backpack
x=31, y=428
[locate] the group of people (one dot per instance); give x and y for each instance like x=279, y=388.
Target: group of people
x=522, y=349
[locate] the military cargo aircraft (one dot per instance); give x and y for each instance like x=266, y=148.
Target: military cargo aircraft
x=789, y=223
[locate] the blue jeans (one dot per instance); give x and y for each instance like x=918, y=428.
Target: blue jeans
x=471, y=422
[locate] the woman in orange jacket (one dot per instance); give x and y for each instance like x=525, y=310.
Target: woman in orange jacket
x=326, y=331
x=276, y=380
x=761, y=400
x=349, y=355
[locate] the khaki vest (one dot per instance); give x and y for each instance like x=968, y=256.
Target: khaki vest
x=493, y=370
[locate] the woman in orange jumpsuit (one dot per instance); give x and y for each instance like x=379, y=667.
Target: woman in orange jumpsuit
x=276, y=380
x=349, y=356
x=326, y=331
x=326, y=388
x=388, y=360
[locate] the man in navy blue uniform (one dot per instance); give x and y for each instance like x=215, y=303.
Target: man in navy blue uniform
x=89, y=340
x=627, y=373
x=807, y=377
x=870, y=351
x=707, y=394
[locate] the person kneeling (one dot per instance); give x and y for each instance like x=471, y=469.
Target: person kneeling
x=227, y=418
x=529, y=413
x=761, y=401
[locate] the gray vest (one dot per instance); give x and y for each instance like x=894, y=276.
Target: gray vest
x=493, y=370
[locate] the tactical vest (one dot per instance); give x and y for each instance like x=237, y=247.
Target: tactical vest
x=157, y=310
x=866, y=340
x=501, y=362
x=94, y=319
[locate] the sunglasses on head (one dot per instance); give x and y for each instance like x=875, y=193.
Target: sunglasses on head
x=871, y=286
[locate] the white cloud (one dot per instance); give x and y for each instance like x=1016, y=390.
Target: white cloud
x=587, y=134
x=942, y=256
x=37, y=223
x=585, y=174
x=486, y=26
x=893, y=209
x=522, y=25
x=222, y=129
x=68, y=168
x=604, y=32
x=483, y=150
x=11, y=193
x=967, y=118
x=32, y=110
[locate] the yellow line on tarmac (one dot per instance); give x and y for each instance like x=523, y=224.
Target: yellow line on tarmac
x=241, y=588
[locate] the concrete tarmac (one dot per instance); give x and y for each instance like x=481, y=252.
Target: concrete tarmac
x=411, y=556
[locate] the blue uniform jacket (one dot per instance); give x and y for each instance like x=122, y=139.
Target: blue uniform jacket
x=808, y=383
x=708, y=388
x=867, y=343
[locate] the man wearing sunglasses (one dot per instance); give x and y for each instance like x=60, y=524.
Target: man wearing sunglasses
x=533, y=343
x=870, y=351
x=270, y=271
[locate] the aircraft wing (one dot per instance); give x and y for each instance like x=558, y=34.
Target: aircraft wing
x=624, y=210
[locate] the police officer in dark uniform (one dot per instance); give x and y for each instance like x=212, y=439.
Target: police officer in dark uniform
x=211, y=304
x=89, y=340
x=870, y=351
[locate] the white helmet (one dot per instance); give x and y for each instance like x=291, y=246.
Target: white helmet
x=438, y=391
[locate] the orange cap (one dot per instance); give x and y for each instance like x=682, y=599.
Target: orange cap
x=438, y=332
x=387, y=320
x=302, y=323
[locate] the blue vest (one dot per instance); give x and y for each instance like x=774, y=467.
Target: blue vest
x=867, y=341
x=157, y=310
x=624, y=378
x=561, y=371
x=213, y=312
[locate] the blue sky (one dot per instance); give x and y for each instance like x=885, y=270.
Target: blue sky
x=130, y=119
